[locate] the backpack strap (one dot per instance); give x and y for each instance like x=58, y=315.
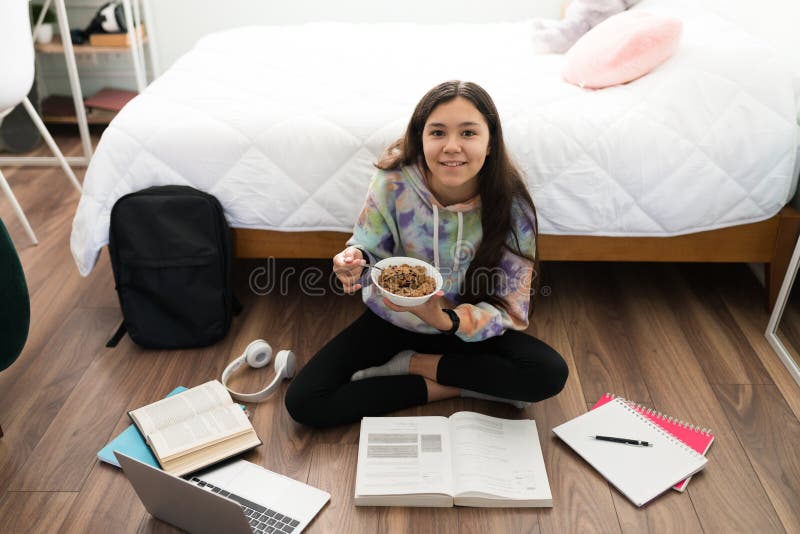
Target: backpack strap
x=118, y=335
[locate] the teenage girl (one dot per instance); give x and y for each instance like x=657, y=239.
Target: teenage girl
x=446, y=193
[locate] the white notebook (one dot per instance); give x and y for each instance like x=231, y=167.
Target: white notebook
x=640, y=473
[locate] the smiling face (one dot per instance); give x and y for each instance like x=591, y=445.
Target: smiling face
x=455, y=141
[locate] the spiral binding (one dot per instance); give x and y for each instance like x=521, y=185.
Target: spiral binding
x=655, y=413
x=631, y=407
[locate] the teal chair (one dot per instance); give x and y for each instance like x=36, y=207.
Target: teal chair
x=15, y=311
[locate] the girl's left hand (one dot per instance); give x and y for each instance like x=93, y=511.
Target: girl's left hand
x=430, y=311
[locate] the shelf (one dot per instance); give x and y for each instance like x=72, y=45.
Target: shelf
x=93, y=116
x=55, y=47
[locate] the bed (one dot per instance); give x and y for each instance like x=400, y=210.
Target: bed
x=694, y=162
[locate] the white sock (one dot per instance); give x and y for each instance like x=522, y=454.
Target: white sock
x=398, y=365
x=475, y=395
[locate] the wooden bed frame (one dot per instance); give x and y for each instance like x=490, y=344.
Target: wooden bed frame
x=770, y=242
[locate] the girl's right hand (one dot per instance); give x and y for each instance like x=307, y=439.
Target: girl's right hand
x=348, y=265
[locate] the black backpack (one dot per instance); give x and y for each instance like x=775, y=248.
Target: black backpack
x=171, y=254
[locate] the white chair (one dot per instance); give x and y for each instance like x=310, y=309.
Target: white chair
x=16, y=79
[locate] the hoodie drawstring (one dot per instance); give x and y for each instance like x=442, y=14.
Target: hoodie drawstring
x=457, y=253
x=459, y=235
x=436, y=237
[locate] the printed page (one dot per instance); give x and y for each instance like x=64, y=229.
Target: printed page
x=185, y=405
x=205, y=428
x=494, y=456
x=403, y=455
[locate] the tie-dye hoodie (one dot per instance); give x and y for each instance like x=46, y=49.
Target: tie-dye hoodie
x=401, y=217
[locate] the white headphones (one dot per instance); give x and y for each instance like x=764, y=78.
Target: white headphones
x=258, y=354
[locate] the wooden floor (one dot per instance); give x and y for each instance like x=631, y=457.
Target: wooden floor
x=685, y=339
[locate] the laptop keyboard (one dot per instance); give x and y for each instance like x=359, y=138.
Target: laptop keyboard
x=261, y=519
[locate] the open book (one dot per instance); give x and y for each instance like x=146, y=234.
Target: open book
x=195, y=428
x=467, y=459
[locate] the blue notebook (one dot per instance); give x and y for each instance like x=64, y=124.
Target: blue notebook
x=132, y=443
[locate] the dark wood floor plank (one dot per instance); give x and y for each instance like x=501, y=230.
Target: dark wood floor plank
x=479, y=520
x=53, y=282
x=138, y=377
x=285, y=451
x=103, y=294
x=727, y=495
x=595, y=307
x=167, y=370
x=43, y=193
x=669, y=512
x=30, y=512
x=106, y=503
x=604, y=355
x=744, y=298
x=720, y=345
x=50, y=304
x=49, y=201
x=31, y=399
x=50, y=257
x=319, y=318
x=64, y=456
x=770, y=434
x=581, y=497
x=333, y=469
x=430, y=520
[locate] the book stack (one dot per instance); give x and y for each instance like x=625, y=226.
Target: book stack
x=131, y=442
x=109, y=99
x=101, y=107
x=699, y=439
x=188, y=430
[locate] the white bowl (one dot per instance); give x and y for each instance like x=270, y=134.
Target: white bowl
x=430, y=270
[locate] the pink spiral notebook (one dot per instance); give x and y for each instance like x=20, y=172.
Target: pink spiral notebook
x=699, y=439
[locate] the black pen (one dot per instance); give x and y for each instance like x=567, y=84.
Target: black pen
x=623, y=440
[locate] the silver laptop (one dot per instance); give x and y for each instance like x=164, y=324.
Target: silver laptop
x=237, y=497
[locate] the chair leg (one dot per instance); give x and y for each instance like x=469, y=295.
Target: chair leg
x=17, y=208
x=51, y=143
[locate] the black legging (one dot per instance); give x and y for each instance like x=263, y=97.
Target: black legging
x=513, y=366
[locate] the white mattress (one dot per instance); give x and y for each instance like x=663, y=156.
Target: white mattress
x=283, y=124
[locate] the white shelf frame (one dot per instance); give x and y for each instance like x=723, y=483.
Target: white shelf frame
x=133, y=12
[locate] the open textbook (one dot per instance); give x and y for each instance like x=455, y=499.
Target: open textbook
x=195, y=428
x=467, y=459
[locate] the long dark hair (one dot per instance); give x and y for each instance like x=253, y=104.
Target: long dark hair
x=500, y=182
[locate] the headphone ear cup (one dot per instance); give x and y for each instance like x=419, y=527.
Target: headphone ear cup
x=119, y=15
x=286, y=363
x=258, y=353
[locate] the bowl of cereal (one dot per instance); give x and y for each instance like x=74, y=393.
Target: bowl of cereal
x=406, y=281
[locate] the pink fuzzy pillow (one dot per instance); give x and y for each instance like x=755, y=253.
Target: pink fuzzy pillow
x=622, y=48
